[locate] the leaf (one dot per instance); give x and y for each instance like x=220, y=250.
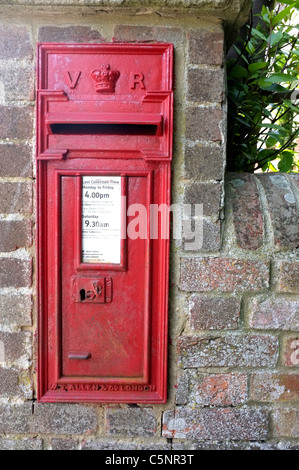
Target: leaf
x=259, y=34
x=275, y=38
x=281, y=15
x=286, y=162
x=238, y=72
x=257, y=66
x=290, y=2
x=277, y=78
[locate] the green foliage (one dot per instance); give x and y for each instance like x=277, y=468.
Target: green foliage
x=263, y=111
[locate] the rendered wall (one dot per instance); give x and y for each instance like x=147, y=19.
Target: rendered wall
x=234, y=303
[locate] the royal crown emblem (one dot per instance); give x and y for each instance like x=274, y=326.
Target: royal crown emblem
x=105, y=79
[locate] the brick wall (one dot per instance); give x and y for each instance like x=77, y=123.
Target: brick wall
x=233, y=337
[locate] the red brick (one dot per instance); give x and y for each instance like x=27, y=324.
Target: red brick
x=282, y=209
x=218, y=389
x=275, y=313
x=206, y=46
x=204, y=123
x=15, y=272
x=15, y=197
x=226, y=275
x=16, y=122
x=231, y=350
x=211, y=423
x=288, y=277
x=15, y=234
x=291, y=351
x=214, y=313
x=286, y=422
x=273, y=387
x=15, y=42
x=16, y=160
x=247, y=211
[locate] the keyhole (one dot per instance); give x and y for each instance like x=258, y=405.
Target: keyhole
x=82, y=295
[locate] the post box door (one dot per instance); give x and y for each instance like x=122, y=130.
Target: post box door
x=104, y=311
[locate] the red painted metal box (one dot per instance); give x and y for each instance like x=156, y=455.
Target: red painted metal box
x=104, y=149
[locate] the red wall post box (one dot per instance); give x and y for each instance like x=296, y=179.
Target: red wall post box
x=104, y=146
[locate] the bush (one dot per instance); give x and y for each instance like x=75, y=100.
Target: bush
x=263, y=92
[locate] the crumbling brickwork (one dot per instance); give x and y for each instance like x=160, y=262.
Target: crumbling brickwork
x=233, y=305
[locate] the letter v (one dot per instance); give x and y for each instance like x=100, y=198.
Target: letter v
x=72, y=82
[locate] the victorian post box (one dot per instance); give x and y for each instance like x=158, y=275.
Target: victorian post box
x=104, y=148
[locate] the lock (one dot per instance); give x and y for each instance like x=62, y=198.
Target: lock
x=91, y=290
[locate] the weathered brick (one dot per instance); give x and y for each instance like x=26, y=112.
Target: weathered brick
x=211, y=423
x=291, y=351
x=282, y=209
x=15, y=197
x=214, y=313
x=64, y=444
x=204, y=163
x=16, y=345
x=8, y=383
x=74, y=33
x=15, y=42
x=288, y=277
x=15, y=160
x=272, y=387
x=206, y=46
x=216, y=389
x=231, y=350
x=224, y=274
x=205, y=85
x=131, y=421
x=204, y=123
x=247, y=212
x=15, y=234
x=25, y=443
x=15, y=272
x=274, y=313
x=18, y=82
x=60, y=418
x=15, y=383
x=286, y=422
x=234, y=445
x=111, y=444
x=207, y=194
x=15, y=418
x=137, y=33
x=48, y=418
x=182, y=388
x=16, y=122
x=15, y=310
x=208, y=236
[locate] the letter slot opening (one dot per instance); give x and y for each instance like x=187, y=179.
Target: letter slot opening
x=104, y=129
x=104, y=124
